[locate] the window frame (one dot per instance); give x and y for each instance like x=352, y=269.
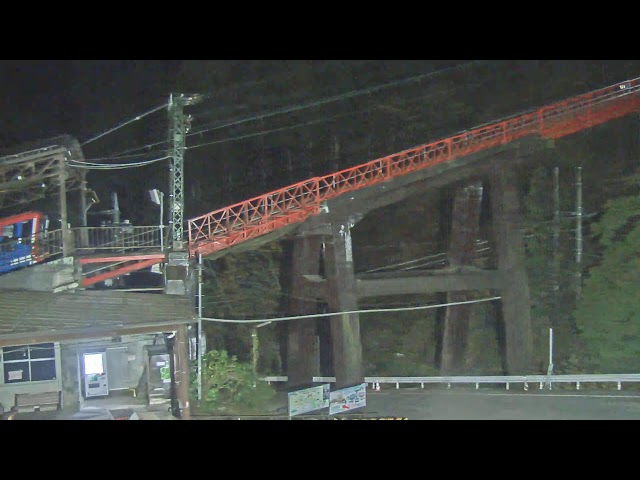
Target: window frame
x=29, y=361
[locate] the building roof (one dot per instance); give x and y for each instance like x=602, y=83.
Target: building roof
x=34, y=317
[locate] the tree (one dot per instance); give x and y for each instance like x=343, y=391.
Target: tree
x=609, y=314
x=244, y=285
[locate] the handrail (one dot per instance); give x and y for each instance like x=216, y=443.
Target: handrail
x=116, y=237
x=541, y=380
x=257, y=216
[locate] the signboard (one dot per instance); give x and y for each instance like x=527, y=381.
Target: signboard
x=347, y=399
x=309, y=399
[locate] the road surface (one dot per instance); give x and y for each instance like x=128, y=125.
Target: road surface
x=490, y=404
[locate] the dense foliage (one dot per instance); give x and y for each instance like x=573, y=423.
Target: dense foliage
x=229, y=385
x=608, y=314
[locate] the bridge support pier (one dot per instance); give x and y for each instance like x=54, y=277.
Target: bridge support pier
x=303, y=353
x=465, y=227
x=346, y=344
x=516, y=304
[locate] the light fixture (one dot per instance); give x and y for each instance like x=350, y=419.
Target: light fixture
x=156, y=195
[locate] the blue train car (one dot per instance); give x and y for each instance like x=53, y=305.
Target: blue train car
x=19, y=235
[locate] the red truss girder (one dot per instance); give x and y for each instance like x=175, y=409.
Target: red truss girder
x=139, y=265
x=121, y=258
x=234, y=224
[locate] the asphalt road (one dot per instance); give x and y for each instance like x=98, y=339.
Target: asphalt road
x=489, y=404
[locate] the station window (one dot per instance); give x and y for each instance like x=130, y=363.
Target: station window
x=29, y=363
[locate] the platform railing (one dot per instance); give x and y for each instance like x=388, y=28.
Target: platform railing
x=541, y=381
x=116, y=238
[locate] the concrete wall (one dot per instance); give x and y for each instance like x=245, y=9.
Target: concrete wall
x=45, y=277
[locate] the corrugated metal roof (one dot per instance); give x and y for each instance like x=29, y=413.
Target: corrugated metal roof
x=31, y=317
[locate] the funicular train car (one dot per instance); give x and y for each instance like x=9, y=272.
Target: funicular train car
x=19, y=240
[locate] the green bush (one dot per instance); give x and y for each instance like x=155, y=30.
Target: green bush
x=229, y=385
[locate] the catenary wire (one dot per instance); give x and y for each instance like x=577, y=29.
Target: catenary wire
x=349, y=312
x=308, y=105
x=342, y=96
x=127, y=122
x=115, y=166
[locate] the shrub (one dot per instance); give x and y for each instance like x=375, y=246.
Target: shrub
x=228, y=384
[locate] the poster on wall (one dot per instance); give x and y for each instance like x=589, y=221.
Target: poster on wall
x=347, y=399
x=309, y=399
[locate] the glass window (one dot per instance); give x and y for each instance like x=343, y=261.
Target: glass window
x=43, y=370
x=29, y=363
x=7, y=231
x=16, y=353
x=44, y=350
x=16, y=372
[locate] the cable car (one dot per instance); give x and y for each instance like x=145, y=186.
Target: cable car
x=19, y=240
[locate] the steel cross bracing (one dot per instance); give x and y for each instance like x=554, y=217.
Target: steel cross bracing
x=234, y=224
x=29, y=176
x=177, y=135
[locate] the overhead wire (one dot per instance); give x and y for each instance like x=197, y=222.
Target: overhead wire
x=114, y=166
x=273, y=130
x=335, y=98
x=123, y=124
x=269, y=114
x=298, y=107
x=350, y=312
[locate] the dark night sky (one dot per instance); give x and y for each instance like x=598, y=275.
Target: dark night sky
x=43, y=98
x=83, y=98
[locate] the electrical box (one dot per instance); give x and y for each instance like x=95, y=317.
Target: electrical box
x=159, y=375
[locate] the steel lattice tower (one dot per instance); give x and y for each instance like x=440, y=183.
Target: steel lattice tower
x=178, y=128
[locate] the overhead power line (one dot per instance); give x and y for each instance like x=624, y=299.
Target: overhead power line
x=335, y=98
x=114, y=166
x=273, y=130
x=127, y=122
x=329, y=314
x=298, y=107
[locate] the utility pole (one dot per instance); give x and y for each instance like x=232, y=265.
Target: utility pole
x=67, y=238
x=178, y=127
x=200, y=347
x=556, y=210
x=555, y=244
x=578, y=232
x=115, y=210
x=550, y=367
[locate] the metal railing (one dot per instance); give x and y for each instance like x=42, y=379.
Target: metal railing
x=541, y=380
x=29, y=250
x=22, y=252
x=49, y=245
x=116, y=238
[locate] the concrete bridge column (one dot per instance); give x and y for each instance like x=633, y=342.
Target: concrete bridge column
x=303, y=353
x=516, y=304
x=341, y=288
x=465, y=227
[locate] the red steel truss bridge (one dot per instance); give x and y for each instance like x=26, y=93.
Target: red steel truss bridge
x=104, y=253
x=232, y=225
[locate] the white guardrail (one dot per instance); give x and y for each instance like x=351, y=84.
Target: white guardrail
x=506, y=380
